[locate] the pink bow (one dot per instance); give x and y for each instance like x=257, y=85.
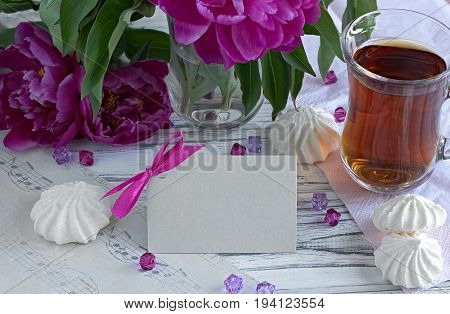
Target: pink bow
x=164, y=161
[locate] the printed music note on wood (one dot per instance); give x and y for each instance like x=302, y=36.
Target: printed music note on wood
x=109, y=264
x=22, y=174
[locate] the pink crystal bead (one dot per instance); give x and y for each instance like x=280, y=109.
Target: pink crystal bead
x=62, y=155
x=233, y=284
x=86, y=158
x=265, y=288
x=340, y=114
x=320, y=201
x=330, y=78
x=147, y=261
x=238, y=150
x=332, y=217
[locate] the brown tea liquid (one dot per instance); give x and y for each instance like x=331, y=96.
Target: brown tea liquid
x=392, y=130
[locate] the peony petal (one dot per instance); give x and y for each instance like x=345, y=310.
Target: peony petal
x=70, y=133
x=228, y=62
x=273, y=38
x=2, y=121
x=308, y=4
x=291, y=46
x=208, y=48
x=47, y=55
x=13, y=59
x=239, y=6
x=124, y=121
x=212, y=3
x=20, y=139
x=68, y=99
x=285, y=11
x=186, y=34
x=156, y=68
x=312, y=14
x=2, y=114
x=223, y=12
x=225, y=39
x=183, y=11
x=248, y=39
x=26, y=30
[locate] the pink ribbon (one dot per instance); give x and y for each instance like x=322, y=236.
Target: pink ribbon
x=165, y=160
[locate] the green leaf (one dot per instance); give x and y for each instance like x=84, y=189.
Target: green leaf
x=85, y=27
x=276, y=75
x=327, y=29
x=226, y=80
x=299, y=60
x=296, y=84
x=92, y=15
x=109, y=26
x=72, y=13
x=357, y=8
x=147, y=44
x=6, y=37
x=201, y=89
x=325, y=57
x=146, y=9
x=178, y=69
x=13, y=6
x=310, y=30
x=82, y=41
x=251, y=84
x=326, y=3
x=49, y=10
x=116, y=58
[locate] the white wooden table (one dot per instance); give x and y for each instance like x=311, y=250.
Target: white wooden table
x=328, y=260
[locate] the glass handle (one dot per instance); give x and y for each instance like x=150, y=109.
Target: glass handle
x=444, y=149
x=446, y=144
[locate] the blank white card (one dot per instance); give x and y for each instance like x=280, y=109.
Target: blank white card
x=224, y=204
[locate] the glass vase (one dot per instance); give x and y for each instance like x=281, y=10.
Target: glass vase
x=207, y=96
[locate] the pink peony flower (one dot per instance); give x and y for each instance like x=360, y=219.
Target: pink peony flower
x=135, y=105
x=238, y=31
x=39, y=92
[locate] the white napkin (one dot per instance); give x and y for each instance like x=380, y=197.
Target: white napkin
x=361, y=204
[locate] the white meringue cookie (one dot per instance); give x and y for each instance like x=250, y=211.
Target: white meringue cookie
x=411, y=262
x=311, y=133
x=408, y=213
x=71, y=212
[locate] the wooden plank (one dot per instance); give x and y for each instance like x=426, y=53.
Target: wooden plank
x=328, y=260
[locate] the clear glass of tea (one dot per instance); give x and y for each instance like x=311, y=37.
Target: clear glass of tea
x=398, y=69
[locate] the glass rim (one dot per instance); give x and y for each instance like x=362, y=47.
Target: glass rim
x=349, y=56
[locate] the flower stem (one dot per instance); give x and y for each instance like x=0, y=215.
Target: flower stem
x=226, y=100
x=184, y=107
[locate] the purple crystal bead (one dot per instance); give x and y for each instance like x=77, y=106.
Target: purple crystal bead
x=210, y=116
x=332, y=217
x=320, y=201
x=233, y=284
x=147, y=261
x=330, y=78
x=340, y=114
x=265, y=288
x=238, y=150
x=62, y=155
x=254, y=144
x=86, y=158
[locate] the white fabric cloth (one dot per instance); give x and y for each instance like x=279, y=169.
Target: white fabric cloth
x=360, y=202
